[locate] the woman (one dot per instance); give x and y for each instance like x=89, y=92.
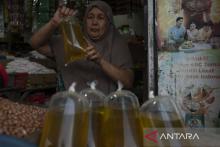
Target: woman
x=108, y=57
x=192, y=33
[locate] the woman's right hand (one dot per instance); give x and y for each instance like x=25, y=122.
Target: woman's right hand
x=61, y=13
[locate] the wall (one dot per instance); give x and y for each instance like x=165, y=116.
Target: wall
x=136, y=21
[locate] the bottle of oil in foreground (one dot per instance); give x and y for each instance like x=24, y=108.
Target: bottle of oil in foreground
x=122, y=125
x=97, y=114
x=161, y=115
x=66, y=123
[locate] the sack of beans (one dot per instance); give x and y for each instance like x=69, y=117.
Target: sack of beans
x=20, y=120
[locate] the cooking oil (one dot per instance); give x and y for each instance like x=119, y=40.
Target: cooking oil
x=97, y=117
x=122, y=128
x=155, y=121
x=64, y=130
x=74, y=41
x=162, y=116
x=66, y=122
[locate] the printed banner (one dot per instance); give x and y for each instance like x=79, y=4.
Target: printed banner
x=188, y=41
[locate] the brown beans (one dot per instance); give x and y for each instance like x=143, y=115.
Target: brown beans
x=18, y=119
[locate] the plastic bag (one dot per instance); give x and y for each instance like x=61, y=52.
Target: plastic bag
x=66, y=122
x=74, y=41
x=97, y=115
x=122, y=125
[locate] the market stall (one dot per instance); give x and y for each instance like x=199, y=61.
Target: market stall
x=28, y=79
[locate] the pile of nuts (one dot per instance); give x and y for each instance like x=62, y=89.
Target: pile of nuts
x=20, y=120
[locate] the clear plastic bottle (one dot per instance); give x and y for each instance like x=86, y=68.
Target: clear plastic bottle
x=161, y=114
x=122, y=126
x=96, y=115
x=66, y=123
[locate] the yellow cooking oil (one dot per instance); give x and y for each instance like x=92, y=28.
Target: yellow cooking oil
x=160, y=122
x=74, y=41
x=65, y=130
x=121, y=128
x=97, y=117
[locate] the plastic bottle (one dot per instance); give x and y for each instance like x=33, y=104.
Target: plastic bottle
x=66, y=123
x=97, y=115
x=161, y=112
x=162, y=115
x=122, y=126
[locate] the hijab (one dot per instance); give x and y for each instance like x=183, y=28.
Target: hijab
x=104, y=44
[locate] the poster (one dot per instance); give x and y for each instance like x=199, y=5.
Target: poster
x=188, y=41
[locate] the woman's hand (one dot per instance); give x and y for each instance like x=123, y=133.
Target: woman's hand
x=92, y=54
x=61, y=13
x=126, y=76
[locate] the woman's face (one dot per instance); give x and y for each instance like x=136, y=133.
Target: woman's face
x=192, y=26
x=96, y=22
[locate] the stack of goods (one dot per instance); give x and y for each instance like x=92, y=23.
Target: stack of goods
x=21, y=65
x=24, y=73
x=20, y=120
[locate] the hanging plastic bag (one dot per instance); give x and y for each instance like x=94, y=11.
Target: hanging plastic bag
x=74, y=40
x=66, y=123
x=97, y=115
x=161, y=114
x=122, y=125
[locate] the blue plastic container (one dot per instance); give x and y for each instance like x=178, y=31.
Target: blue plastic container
x=9, y=141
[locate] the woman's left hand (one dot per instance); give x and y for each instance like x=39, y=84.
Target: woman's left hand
x=92, y=54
